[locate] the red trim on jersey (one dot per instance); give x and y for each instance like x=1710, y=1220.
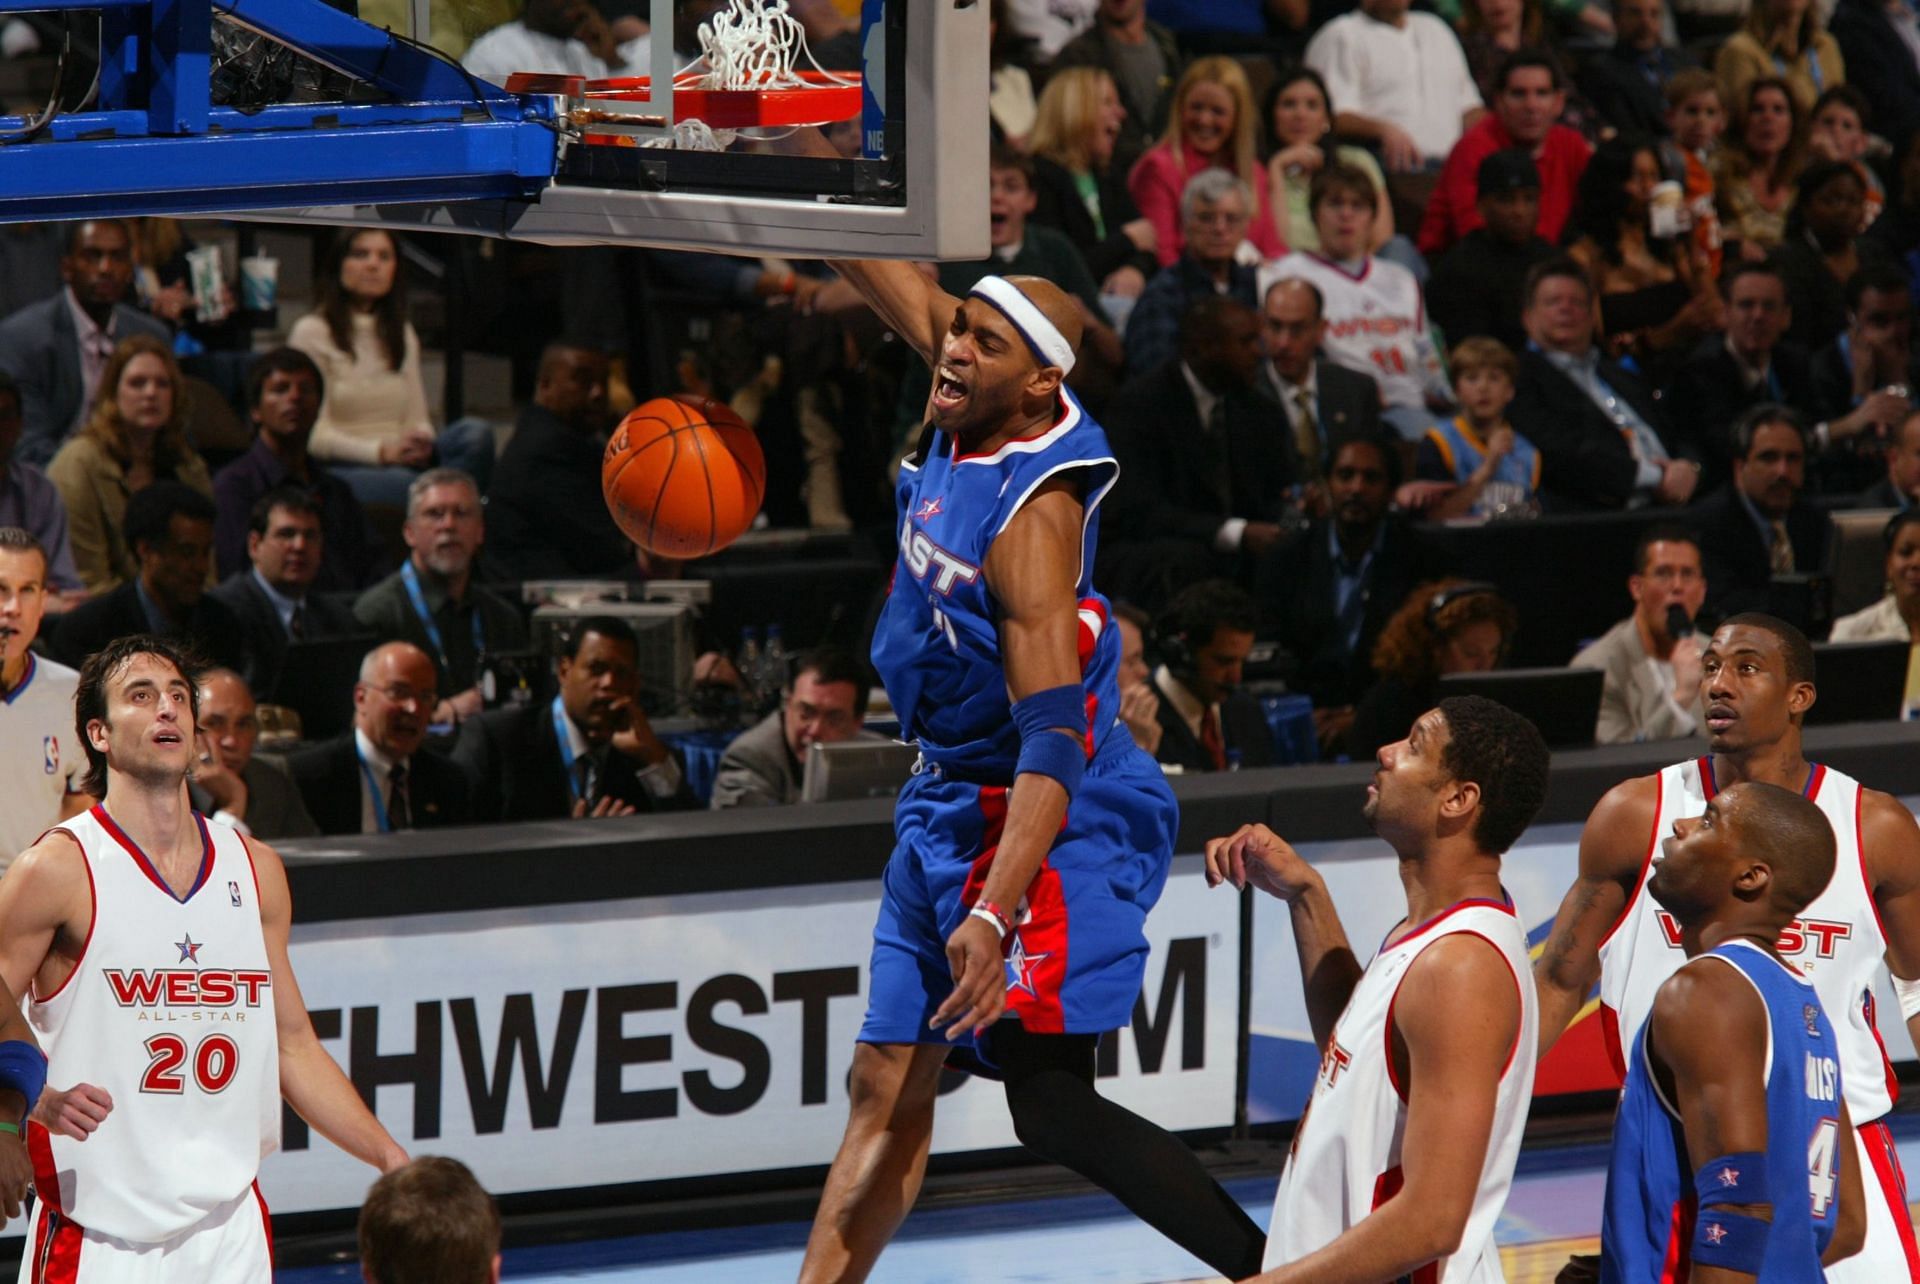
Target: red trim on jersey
x=1385, y=1187
x=39, y=1249
x=1512, y=1050
x=1678, y=1268
x=93, y=918
x=266, y=1220
x=1366, y=266
x=1871, y=1010
x=56, y=1250
x=1815, y=779
x=1646, y=863
x=1860, y=850
x=1058, y=419
x=1708, y=784
x=252, y=869
x=1504, y=906
x=46, y=1174
x=99, y=813
x=1041, y=929
x=1610, y=1039
x=1885, y=1161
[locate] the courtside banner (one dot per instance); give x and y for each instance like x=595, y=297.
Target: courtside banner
x=646, y=1040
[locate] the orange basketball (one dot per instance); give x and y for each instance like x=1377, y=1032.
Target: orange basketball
x=683, y=476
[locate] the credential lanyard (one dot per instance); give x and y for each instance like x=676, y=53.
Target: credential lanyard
x=373, y=792
x=566, y=748
x=411, y=578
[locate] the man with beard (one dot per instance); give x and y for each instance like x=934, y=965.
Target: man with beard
x=1758, y=526
x=432, y=601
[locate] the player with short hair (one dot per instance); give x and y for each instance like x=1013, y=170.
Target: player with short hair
x=40, y=763
x=152, y=950
x=1757, y=685
x=1011, y=926
x=1402, y=1162
x=1733, y=1154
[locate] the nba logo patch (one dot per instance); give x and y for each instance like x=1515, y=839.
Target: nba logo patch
x=50, y=754
x=233, y=891
x=1812, y=1016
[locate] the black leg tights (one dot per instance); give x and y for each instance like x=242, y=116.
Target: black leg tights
x=1058, y=1114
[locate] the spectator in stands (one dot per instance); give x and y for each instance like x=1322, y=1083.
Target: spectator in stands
x=559, y=37
x=1895, y=235
x=1603, y=440
x=1783, y=39
x=1651, y=690
x=163, y=285
x=1731, y=372
x=1821, y=252
x=429, y=1223
x=1141, y=57
x=1894, y=617
x=1080, y=189
x=1213, y=126
x=283, y=398
x=169, y=526
x=1900, y=488
x=1023, y=247
x=1207, y=722
x=374, y=427
x=1759, y=526
x=1450, y=626
x=1376, y=318
x=823, y=703
x=1214, y=216
x=432, y=600
x=29, y=501
x=1754, y=175
x=1863, y=381
x=1656, y=301
x=40, y=786
x=1841, y=129
x=1322, y=402
x=1492, y=31
x=1626, y=82
x=1139, y=706
x=57, y=349
x=1399, y=80
x=375, y=779
x=589, y=753
x=1299, y=118
x=1493, y=470
x=1010, y=102
x=1525, y=115
x=229, y=784
x=136, y=436
x=1475, y=287
x=546, y=516
x=1203, y=473
x=274, y=598
x=1326, y=592
x=1880, y=42
x=1697, y=119
x=1049, y=24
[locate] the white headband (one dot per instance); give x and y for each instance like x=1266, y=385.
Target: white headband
x=1048, y=344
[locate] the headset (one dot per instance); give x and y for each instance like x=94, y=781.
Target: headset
x=1168, y=638
x=1448, y=596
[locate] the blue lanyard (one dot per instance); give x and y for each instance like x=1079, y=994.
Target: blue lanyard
x=566, y=748
x=1774, y=391
x=1813, y=69
x=373, y=792
x=411, y=579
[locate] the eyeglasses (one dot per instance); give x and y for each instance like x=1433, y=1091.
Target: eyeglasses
x=401, y=693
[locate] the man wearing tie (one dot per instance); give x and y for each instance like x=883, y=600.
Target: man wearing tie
x=374, y=779
x=1322, y=401
x=1208, y=723
x=1759, y=526
x=273, y=596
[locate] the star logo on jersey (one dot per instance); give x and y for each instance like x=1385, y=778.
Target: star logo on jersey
x=931, y=508
x=1020, y=965
x=189, y=950
x=1715, y=1232
x=1729, y=1176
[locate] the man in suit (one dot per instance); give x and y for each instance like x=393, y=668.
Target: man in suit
x=56, y=349
x=1215, y=208
x=546, y=516
x=1626, y=84
x=1204, y=463
x=1877, y=41
x=375, y=779
x=229, y=784
x=1758, y=526
x=823, y=704
x=1864, y=381
x=1735, y=371
x=1603, y=440
x=1651, y=688
x=1321, y=401
x=169, y=526
x=590, y=752
x=1206, y=722
x=274, y=597
x=1477, y=284
x=1900, y=488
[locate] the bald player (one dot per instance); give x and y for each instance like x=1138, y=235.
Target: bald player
x=1733, y=1154
x=1757, y=684
x=1011, y=927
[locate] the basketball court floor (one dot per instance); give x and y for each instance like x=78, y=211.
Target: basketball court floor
x=1080, y=1239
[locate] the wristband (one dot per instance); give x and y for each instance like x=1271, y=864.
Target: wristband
x=11, y=1129
x=986, y=915
x=23, y=1068
x=1061, y=708
x=1730, y=1240
x=1908, y=992
x=1056, y=755
x=1733, y=1179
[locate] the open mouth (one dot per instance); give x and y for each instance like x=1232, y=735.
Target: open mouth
x=164, y=736
x=1719, y=717
x=948, y=391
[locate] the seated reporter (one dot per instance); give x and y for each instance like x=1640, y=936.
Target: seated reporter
x=230, y=783
x=1207, y=722
x=589, y=752
x=823, y=704
x=1453, y=626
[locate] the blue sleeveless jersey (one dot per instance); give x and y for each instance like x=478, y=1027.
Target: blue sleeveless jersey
x=1516, y=479
x=1651, y=1208
x=937, y=644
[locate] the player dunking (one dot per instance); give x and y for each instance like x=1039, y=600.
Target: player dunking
x=1733, y=1154
x=1757, y=685
x=1010, y=927
x=1403, y=1160
x=155, y=949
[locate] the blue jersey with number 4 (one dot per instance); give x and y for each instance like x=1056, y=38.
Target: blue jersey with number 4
x=1652, y=1210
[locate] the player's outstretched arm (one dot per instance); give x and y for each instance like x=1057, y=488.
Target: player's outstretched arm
x=1850, y=1228
x=1707, y=1035
x=311, y=1080
x=1891, y=842
x=1613, y=848
x=1457, y=1014
x=1328, y=969
x=910, y=302
x=1032, y=571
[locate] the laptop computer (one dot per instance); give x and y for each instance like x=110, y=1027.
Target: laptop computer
x=1857, y=559
x=1563, y=703
x=859, y=768
x=316, y=681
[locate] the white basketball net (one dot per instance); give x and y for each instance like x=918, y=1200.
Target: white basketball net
x=753, y=44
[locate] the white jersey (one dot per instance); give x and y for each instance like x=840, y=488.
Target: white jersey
x=1376, y=323
x=40, y=760
x=1346, y=1153
x=1836, y=943
x=171, y=1011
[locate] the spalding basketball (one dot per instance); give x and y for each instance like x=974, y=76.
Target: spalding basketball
x=683, y=476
